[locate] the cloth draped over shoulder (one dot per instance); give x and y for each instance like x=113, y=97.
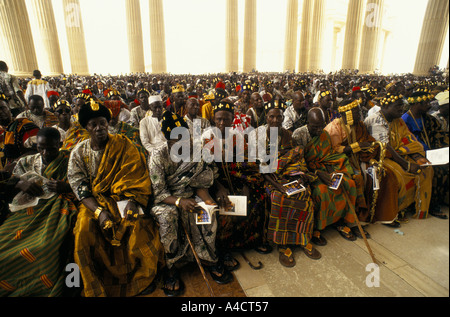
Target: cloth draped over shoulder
x=126, y=270
x=330, y=205
x=35, y=242
x=291, y=218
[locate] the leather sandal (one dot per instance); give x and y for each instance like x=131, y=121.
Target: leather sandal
x=318, y=239
x=219, y=274
x=346, y=233
x=358, y=234
x=311, y=252
x=228, y=258
x=286, y=257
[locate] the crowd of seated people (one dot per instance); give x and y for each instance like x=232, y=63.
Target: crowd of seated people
x=110, y=172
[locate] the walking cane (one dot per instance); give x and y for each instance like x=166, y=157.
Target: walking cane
x=198, y=261
x=352, y=208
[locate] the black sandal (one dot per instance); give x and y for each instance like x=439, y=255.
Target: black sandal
x=172, y=281
x=229, y=258
x=346, y=233
x=264, y=249
x=219, y=274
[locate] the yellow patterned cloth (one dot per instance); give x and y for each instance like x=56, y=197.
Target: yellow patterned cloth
x=128, y=269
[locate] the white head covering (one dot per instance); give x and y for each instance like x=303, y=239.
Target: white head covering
x=154, y=98
x=442, y=98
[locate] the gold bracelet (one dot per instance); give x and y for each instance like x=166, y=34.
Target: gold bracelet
x=97, y=212
x=177, y=202
x=355, y=147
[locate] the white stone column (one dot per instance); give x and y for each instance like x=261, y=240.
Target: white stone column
x=371, y=36
x=75, y=37
x=305, y=36
x=134, y=35
x=18, y=40
x=157, y=37
x=232, y=37
x=432, y=37
x=353, y=32
x=317, y=36
x=290, y=44
x=46, y=24
x=249, y=36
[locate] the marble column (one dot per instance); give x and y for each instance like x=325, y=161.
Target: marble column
x=157, y=37
x=134, y=35
x=18, y=40
x=249, y=36
x=432, y=37
x=317, y=35
x=305, y=36
x=290, y=44
x=371, y=36
x=232, y=37
x=46, y=25
x=353, y=31
x=75, y=37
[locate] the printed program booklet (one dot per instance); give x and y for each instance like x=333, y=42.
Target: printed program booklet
x=336, y=179
x=293, y=188
x=238, y=208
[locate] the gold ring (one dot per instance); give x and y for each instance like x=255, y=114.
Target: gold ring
x=419, y=171
x=135, y=215
x=108, y=224
x=129, y=212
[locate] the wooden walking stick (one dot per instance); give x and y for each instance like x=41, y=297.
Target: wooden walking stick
x=352, y=208
x=198, y=261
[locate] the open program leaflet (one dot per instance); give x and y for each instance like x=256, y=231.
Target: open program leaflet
x=238, y=207
x=204, y=213
x=437, y=157
x=23, y=200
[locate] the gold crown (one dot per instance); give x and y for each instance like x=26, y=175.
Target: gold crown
x=350, y=106
x=390, y=99
x=94, y=105
x=178, y=88
x=412, y=100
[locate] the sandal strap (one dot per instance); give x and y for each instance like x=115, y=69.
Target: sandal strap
x=316, y=234
x=309, y=247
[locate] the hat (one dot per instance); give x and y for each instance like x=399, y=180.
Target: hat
x=154, y=98
x=224, y=105
x=220, y=85
x=347, y=109
x=91, y=110
x=84, y=96
x=442, y=98
x=115, y=106
x=220, y=94
x=143, y=90
x=171, y=121
x=323, y=94
x=61, y=102
x=247, y=86
x=112, y=92
x=274, y=104
x=420, y=95
x=178, y=88
x=52, y=93
x=389, y=98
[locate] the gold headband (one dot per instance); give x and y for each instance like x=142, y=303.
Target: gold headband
x=178, y=88
x=350, y=106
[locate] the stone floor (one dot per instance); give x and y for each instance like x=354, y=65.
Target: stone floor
x=413, y=262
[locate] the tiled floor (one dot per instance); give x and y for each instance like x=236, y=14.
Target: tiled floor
x=413, y=262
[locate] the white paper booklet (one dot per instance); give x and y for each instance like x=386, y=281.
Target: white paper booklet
x=122, y=204
x=204, y=213
x=437, y=157
x=239, y=206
